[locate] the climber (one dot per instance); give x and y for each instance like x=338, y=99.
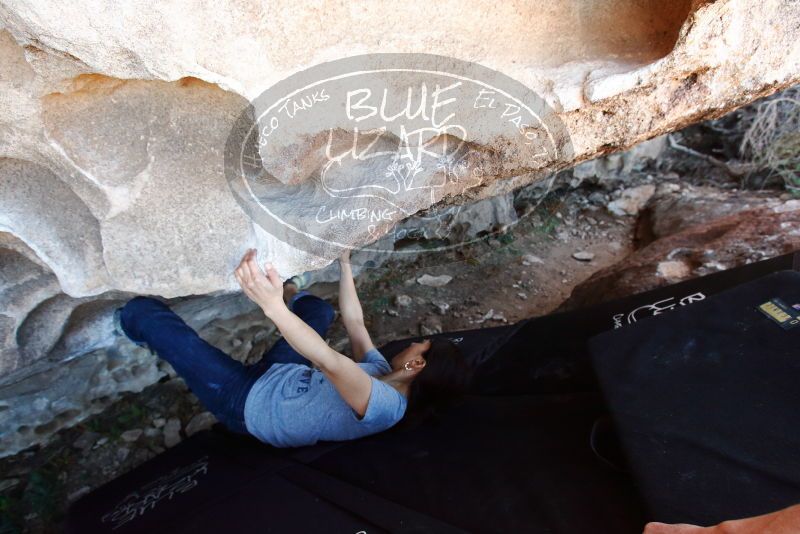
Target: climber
x=301, y=391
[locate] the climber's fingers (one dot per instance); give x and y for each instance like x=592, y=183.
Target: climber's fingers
x=247, y=273
x=244, y=284
x=272, y=275
x=252, y=268
x=242, y=271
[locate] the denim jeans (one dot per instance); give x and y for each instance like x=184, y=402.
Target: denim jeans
x=220, y=382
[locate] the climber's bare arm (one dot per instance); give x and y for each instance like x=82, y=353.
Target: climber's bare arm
x=786, y=521
x=350, y=308
x=266, y=290
x=352, y=383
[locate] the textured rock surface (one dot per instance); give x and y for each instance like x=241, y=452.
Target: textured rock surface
x=710, y=245
x=113, y=123
x=130, y=111
x=89, y=366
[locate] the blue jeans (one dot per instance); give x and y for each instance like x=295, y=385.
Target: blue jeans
x=220, y=382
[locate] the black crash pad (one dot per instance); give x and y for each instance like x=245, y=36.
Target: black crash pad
x=516, y=455
x=706, y=401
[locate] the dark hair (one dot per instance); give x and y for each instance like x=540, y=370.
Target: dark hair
x=440, y=384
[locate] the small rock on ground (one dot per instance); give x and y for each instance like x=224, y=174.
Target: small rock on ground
x=172, y=432
x=434, y=281
x=402, y=301
x=201, y=421
x=530, y=259
x=131, y=435
x=8, y=483
x=674, y=270
x=440, y=306
x=583, y=255
x=122, y=453
x=632, y=200
x=430, y=327
x=86, y=440
x=491, y=315
x=75, y=495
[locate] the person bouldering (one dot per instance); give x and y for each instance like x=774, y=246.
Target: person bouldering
x=301, y=391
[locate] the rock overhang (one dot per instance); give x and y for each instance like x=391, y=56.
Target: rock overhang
x=130, y=111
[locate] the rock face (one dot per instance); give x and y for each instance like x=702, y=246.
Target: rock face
x=719, y=239
x=114, y=123
x=113, y=131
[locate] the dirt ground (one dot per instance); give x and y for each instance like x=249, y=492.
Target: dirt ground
x=526, y=271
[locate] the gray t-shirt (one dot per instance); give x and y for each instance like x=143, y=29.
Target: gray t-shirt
x=293, y=405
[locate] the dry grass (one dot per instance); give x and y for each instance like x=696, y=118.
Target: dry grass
x=772, y=137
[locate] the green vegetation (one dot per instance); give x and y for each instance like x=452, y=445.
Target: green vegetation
x=506, y=238
x=379, y=304
x=547, y=212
